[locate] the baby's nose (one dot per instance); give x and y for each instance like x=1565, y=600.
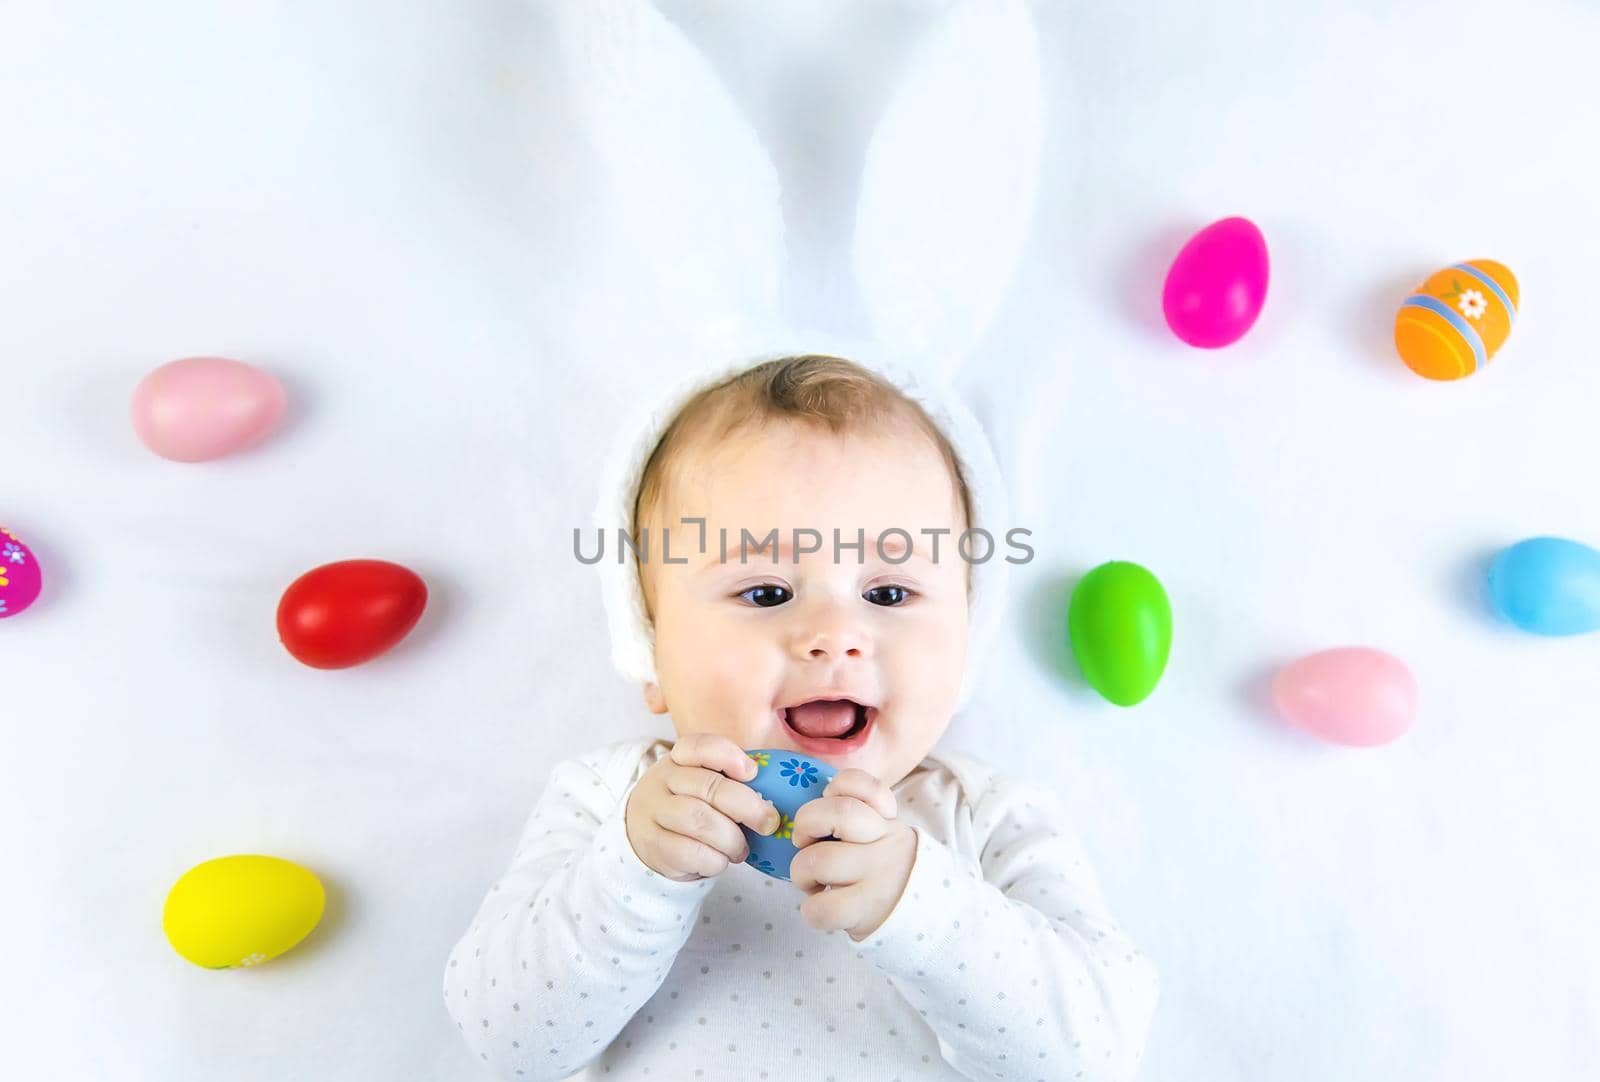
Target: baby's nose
x=832, y=635
x=828, y=648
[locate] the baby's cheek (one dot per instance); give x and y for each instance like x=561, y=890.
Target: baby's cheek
x=733, y=696
x=937, y=659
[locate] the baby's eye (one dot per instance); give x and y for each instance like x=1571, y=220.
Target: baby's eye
x=888, y=596
x=767, y=595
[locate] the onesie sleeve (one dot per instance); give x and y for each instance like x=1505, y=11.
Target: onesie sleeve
x=572, y=939
x=1013, y=959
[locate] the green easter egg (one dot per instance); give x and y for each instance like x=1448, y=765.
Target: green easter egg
x=1121, y=627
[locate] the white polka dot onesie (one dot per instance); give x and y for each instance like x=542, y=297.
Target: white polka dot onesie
x=1000, y=960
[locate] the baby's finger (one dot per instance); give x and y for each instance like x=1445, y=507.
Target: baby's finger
x=714, y=752
x=844, y=817
x=732, y=798
x=696, y=819
x=830, y=864
x=690, y=855
x=837, y=908
x=853, y=781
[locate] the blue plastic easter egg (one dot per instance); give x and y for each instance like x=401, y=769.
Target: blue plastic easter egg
x=1547, y=585
x=788, y=779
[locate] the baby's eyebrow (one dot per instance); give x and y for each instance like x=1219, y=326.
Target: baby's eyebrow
x=775, y=551
x=894, y=545
x=772, y=552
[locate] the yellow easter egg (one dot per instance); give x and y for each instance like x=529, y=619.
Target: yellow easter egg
x=241, y=910
x=1456, y=320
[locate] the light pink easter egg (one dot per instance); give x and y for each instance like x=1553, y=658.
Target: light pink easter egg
x=201, y=408
x=1350, y=695
x=20, y=579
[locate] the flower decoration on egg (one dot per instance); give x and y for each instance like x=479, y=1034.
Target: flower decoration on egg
x=799, y=772
x=13, y=553
x=1471, y=301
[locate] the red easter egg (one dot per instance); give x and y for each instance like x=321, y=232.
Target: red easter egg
x=344, y=613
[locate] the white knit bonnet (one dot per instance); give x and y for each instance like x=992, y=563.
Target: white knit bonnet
x=945, y=206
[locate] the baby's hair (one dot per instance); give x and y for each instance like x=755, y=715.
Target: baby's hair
x=811, y=388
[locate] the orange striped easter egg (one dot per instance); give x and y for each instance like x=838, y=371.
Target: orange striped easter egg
x=1456, y=320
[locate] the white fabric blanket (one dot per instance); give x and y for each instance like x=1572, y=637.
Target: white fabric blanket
x=392, y=207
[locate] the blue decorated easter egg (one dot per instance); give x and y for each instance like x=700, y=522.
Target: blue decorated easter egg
x=1547, y=585
x=788, y=779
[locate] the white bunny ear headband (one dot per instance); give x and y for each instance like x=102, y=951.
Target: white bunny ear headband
x=946, y=203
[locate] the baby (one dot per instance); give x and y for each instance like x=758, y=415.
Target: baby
x=940, y=922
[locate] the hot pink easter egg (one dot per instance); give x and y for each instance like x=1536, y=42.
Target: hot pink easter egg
x=1350, y=695
x=202, y=408
x=1217, y=284
x=20, y=580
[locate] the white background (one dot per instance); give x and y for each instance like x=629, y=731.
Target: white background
x=387, y=205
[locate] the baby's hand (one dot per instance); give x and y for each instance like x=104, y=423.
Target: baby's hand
x=855, y=877
x=683, y=817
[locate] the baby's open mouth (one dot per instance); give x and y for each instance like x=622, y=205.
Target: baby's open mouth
x=828, y=719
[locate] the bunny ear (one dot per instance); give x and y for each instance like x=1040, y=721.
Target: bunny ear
x=689, y=186
x=948, y=190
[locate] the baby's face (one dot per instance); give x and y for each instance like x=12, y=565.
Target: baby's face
x=739, y=644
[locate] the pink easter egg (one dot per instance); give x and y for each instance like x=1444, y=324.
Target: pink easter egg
x=1217, y=284
x=20, y=580
x=1350, y=695
x=202, y=408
